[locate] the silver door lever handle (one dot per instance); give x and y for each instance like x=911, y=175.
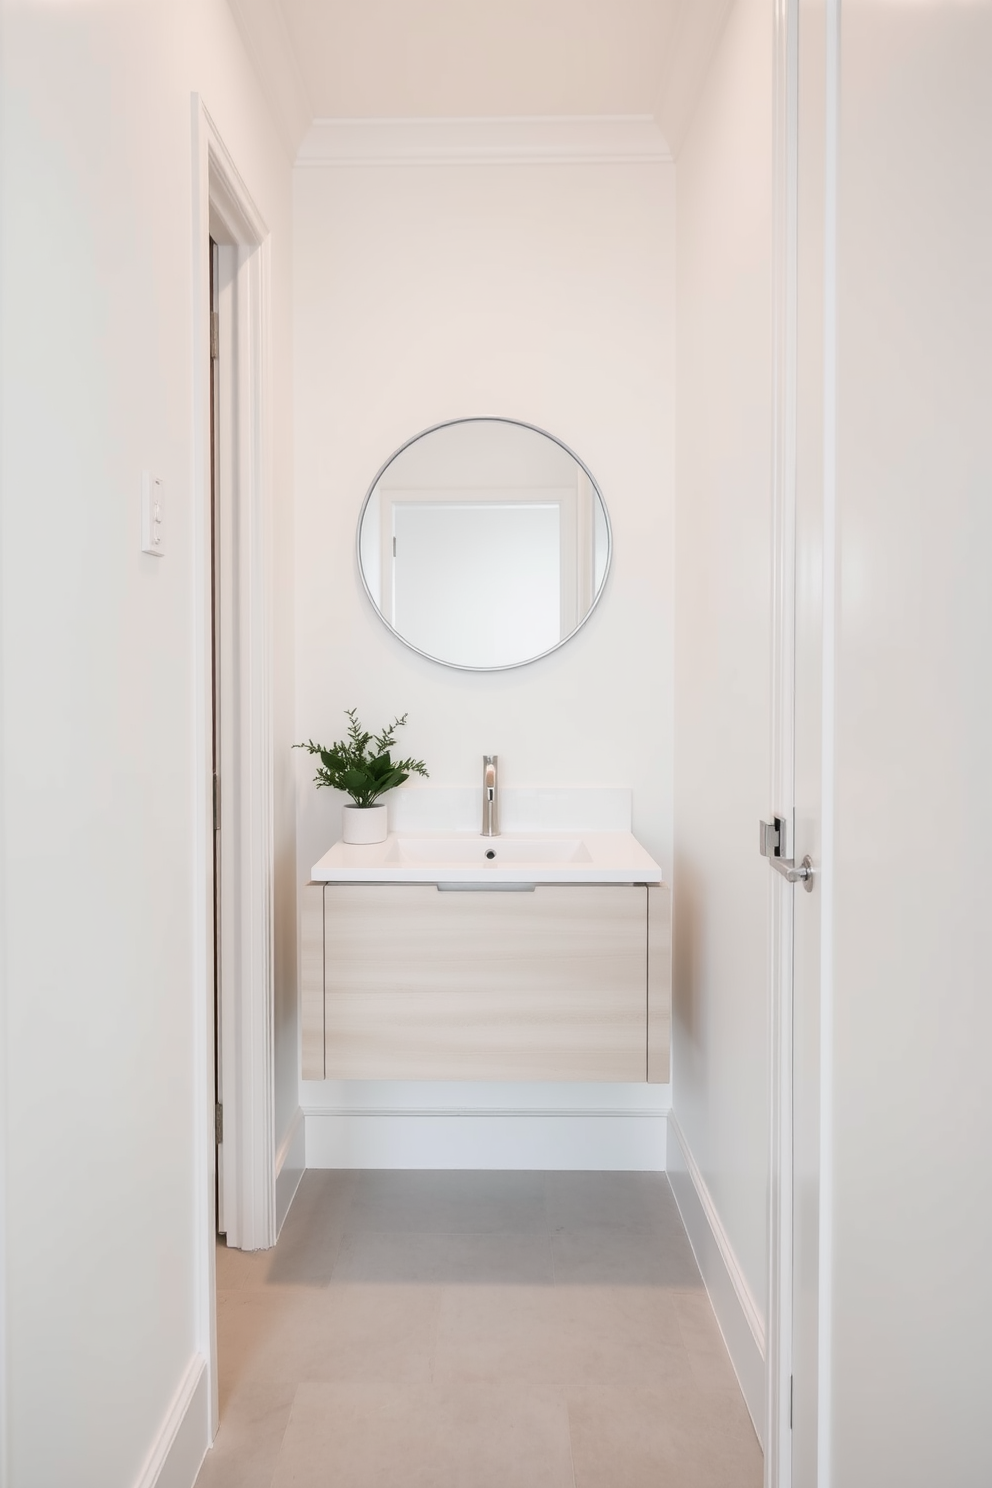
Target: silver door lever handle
x=769, y=844
x=803, y=874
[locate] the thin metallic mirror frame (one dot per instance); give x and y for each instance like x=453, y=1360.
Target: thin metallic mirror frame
x=486, y=418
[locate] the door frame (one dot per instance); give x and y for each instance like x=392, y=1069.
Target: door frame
x=778, y=1334
x=223, y=205
x=779, y=1354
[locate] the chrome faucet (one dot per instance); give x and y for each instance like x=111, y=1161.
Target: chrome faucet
x=490, y=795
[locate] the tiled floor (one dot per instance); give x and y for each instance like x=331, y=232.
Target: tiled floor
x=475, y=1330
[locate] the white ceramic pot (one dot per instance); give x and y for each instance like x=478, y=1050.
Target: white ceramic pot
x=364, y=824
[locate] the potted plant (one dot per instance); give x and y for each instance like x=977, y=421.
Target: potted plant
x=361, y=765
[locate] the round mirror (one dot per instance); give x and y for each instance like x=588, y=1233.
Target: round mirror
x=484, y=543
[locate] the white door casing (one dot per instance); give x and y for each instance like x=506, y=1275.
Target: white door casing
x=246, y=851
x=223, y=208
x=811, y=677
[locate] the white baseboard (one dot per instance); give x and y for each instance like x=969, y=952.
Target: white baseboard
x=736, y=1310
x=177, y=1453
x=592, y=1141
x=289, y=1165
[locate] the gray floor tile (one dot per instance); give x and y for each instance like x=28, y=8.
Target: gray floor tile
x=708, y=1357
x=476, y=1329
x=448, y=1202
x=640, y=1202
x=667, y=1437
x=353, y=1436
x=241, y=1268
x=555, y=1338
x=347, y=1332
x=621, y=1257
x=497, y=1335
x=446, y=1259
x=253, y=1424
x=697, y=1324
x=613, y=1333
x=311, y=1236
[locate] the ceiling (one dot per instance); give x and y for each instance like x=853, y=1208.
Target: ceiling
x=459, y=58
x=394, y=59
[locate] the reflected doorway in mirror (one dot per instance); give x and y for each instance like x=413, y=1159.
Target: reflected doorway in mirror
x=484, y=543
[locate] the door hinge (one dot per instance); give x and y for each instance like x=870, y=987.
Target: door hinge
x=216, y=803
x=394, y=547
x=218, y=1123
x=791, y=1383
x=214, y=336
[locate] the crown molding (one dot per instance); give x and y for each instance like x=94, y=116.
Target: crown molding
x=546, y=140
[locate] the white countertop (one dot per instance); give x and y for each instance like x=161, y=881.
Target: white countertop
x=511, y=858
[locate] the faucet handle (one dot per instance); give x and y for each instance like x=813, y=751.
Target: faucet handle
x=490, y=798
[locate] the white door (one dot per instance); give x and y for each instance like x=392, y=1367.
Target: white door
x=802, y=671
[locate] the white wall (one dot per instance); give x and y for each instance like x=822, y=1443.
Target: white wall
x=911, y=1124
x=543, y=293
x=722, y=637
x=105, y=1307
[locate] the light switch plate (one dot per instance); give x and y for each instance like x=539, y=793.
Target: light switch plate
x=152, y=514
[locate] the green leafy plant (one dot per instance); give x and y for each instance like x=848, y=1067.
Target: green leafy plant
x=362, y=765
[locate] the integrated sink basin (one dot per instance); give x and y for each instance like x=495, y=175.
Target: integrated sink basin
x=511, y=858
x=488, y=851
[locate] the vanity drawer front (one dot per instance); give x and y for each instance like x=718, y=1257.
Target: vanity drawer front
x=547, y=985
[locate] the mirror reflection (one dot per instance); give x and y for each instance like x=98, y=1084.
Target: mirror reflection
x=484, y=543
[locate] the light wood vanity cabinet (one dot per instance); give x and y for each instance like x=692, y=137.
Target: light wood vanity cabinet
x=406, y=982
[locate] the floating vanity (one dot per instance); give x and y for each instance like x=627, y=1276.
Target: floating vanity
x=424, y=958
